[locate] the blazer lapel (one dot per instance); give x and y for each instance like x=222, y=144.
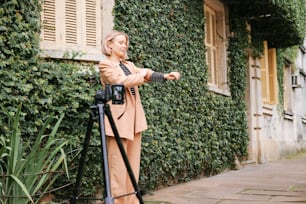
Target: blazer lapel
x=129, y=89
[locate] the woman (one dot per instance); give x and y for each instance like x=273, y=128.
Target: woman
x=129, y=117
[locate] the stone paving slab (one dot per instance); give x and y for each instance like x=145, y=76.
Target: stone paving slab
x=272, y=192
x=253, y=202
x=301, y=199
x=282, y=182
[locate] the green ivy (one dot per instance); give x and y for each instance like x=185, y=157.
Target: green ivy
x=280, y=22
x=288, y=54
x=192, y=131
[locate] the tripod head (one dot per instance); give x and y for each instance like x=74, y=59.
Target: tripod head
x=103, y=95
x=111, y=92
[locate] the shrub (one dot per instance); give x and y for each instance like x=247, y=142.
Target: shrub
x=29, y=170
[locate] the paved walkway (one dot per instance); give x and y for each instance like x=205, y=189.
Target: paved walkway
x=282, y=181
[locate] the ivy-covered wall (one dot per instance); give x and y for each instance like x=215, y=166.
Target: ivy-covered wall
x=192, y=132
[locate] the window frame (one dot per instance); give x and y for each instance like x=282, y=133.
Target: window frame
x=216, y=51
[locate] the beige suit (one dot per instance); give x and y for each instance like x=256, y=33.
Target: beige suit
x=133, y=117
x=130, y=121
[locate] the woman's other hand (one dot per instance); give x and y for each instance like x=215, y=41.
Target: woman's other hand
x=172, y=76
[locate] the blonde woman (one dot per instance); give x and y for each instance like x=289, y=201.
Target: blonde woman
x=129, y=117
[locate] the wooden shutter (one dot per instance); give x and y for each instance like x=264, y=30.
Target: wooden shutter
x=272, y=75
x=264, y=74
x=91, y=19
x=48, y=21
x=71, y=22
x=269, y=75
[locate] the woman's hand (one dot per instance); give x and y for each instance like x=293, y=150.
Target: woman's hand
x=172, y=76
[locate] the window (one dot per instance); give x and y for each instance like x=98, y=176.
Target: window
x=269, y=75
x=71, y=26
x=288, y=75
x=215, y=42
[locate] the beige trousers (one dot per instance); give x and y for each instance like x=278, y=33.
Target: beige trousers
x=119, y=178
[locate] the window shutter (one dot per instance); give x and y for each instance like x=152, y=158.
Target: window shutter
x=48, y=21
x=264, y=74
x=269, y=75
x=71, y=21
x=272, y=75
x=91, y=19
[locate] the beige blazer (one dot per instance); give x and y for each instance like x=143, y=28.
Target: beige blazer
x=132, y=118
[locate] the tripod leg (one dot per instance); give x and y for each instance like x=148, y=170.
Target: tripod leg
x=108, y=198
x=123, y=153
x=77, y=189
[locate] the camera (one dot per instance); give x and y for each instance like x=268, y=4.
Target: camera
x=113, y=92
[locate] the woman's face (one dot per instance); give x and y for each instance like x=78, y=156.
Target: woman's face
x=119, y=46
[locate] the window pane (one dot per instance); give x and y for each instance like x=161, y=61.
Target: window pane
x=213, y=30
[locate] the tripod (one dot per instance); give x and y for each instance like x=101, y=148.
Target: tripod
x=97, y=114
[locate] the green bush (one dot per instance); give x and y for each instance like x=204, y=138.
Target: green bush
x=28, y=170
x=56, y=88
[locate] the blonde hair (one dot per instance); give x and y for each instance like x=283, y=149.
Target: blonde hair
x=106, y=50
